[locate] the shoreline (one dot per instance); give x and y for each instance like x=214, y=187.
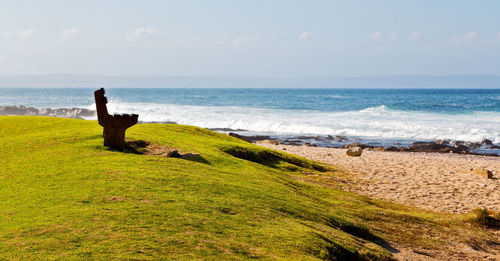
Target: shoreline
x=432, y=181
x=484, y=148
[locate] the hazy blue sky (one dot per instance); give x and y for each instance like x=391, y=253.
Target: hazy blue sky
x=250, y=38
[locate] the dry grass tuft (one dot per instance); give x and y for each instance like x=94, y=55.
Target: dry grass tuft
x=486, y=218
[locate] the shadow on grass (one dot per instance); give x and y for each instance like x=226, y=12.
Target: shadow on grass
x=360, y=231
x=92, y=137
x=136, y=146
x=141, y=147
x=269, y=157
x=337, y=252
x=196, y=158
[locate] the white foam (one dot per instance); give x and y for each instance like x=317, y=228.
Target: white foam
x=374, y=122
x=379, y=109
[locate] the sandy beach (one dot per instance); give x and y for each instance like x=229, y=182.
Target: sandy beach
x=432, y=181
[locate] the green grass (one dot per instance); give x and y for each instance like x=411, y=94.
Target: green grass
x=65, y=196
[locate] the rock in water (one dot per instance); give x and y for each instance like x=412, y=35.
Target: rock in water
x=352, y=145
x=484, y=173
x=463, y=148
x=354, y=152
x=392, y=148
x=487, y=142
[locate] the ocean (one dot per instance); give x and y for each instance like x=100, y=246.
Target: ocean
x=375, y=115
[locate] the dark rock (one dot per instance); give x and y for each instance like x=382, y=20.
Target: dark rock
x=174, y=154
x=352, y=145
x=340, y=138
x=392, y=149
x=357, y=144
x=225, y=129
x=487, y=142
x=354, y=152
x=423, y=143
x=336, y=138
x=444, y=142
x=305, y=137
x=250, y=139
x=435, y=147
x=259, y=138
x=473, y=145
x=241, y=137
x=463, y=148
x=439, y=141
x=294, y=142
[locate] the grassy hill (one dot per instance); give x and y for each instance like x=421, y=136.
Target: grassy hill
x=65, y=196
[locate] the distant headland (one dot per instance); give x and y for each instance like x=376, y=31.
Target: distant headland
x=120, y=81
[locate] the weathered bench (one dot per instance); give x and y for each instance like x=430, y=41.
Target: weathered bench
x=114, y=125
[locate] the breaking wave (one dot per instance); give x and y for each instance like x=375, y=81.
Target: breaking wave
x=371, y=122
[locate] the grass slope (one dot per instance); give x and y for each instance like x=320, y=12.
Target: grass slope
x=65, y=196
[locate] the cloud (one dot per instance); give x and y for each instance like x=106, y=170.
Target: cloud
x=305, y=35
x=251, y=41
x=26, y=33
x=498, y=36
x=142, y=32
x=468, y=38
x=393, y=37
x=415, y=36
x=68, y=33
x=377, y=35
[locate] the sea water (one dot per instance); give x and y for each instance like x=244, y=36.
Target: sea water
x=369, y=114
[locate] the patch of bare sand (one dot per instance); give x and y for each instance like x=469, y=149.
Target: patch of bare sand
x=433, y=181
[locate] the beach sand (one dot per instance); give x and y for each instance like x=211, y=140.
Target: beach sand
x=432, y=181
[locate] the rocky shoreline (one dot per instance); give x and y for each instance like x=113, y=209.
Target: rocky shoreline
x=74, y=113
x=485, y=147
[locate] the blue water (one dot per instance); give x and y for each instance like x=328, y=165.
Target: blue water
x=460, y=114
x=326, y=100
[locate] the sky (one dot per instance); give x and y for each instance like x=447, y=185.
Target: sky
x=270, y=38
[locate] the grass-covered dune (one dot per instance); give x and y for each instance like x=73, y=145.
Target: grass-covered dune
x=65, y=196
